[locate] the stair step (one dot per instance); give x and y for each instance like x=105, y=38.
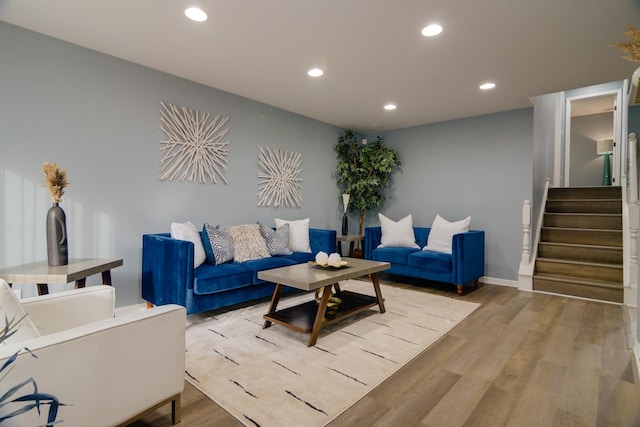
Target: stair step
x=584, y=253
x=586, y=288
x=600, y=206
x=584, y=193
x=582, y=236
x=583, y=220
x=579, y=269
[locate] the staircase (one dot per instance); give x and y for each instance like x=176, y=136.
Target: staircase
x=580, y=249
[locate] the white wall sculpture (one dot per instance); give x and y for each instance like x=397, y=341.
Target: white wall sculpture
x=279, y=182
x=194, y=149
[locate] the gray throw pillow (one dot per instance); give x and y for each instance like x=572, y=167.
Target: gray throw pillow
x=277, y=240
x=221, y=243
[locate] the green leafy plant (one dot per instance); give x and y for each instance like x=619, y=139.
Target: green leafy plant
x=364, y=171
x=10, y=400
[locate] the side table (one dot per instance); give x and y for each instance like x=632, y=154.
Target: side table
x=77, y=270
x=352, y=239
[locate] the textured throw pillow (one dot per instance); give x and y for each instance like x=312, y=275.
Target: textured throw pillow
x=277, y=240
x=442, y=231
x=248, y=242
x=187, y=231
x=298, y=234
x=221, y=244
x=397, y=234
x=12, y=311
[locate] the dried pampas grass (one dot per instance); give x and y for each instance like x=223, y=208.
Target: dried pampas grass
x=55, y=180
x=632, y=48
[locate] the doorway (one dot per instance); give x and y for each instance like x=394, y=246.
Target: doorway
x=591, y=135
x=591, y=117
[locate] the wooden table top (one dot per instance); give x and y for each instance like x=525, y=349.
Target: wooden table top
x=41, y=272
x=309, y=277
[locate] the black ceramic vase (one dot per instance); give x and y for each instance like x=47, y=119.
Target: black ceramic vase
x=57, y=252
x=345, y=224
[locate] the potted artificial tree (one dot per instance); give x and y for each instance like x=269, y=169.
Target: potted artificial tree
x=363, y=172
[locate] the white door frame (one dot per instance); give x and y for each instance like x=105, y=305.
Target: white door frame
x=618, y=158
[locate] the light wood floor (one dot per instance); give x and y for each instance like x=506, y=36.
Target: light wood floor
x=521, y=359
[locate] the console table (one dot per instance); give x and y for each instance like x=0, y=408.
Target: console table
x=351, y=238
x=77, y=270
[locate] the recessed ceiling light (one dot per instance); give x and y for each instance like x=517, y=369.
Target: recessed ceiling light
x=196, y=14
x=432, y=30
x=315, y=72
x=487, y=86
x=390, y=107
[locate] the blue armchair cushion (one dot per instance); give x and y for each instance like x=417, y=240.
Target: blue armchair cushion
x=433, y=260
x=393, y=255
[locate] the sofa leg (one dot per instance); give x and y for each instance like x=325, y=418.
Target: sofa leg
x=459, y=289
x=476, y=282
x=149, y=305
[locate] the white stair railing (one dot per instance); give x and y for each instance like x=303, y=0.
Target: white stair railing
x=632, y=220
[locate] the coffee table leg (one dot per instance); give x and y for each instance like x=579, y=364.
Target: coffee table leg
x=274, y=304
x=376, y=286
x=322, y=308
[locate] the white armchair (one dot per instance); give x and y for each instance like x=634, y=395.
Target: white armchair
x=106, y=370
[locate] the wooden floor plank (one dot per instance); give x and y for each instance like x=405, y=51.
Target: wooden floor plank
x=521, y=359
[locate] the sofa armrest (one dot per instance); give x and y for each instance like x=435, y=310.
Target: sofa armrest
x=372, y=238
x=467, y=256
x=108, y=371
x=322, y=240
x=65, y=310
x=167, y=269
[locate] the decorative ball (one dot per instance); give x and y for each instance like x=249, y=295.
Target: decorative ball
x=322, y=258
x=335, y=260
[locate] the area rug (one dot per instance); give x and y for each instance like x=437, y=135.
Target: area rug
x=270, y=378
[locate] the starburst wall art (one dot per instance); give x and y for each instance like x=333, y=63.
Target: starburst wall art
x=194, y=149
x=279, y=182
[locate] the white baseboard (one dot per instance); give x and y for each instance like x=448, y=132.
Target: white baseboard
x=499, y=282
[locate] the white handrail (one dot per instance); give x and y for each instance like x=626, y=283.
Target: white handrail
x=632, y=214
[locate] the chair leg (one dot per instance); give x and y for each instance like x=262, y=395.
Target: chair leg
x=176, y=415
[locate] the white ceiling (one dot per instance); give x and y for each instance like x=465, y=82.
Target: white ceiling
x=371, y=50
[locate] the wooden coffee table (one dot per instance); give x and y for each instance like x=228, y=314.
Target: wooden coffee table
x=310, y=317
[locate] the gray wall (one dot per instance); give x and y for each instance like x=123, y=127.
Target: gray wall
x=479, y=166
x=98, y=118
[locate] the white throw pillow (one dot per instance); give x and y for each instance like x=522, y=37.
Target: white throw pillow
x=298, y=234
x=187, y=231
x=397, y=234
x=442, y=231
x=12, y=311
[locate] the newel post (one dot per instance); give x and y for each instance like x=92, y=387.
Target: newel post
x=526, y=232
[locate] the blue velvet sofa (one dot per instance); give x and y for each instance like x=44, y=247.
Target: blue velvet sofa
x=168, y=275
x=463, y=266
